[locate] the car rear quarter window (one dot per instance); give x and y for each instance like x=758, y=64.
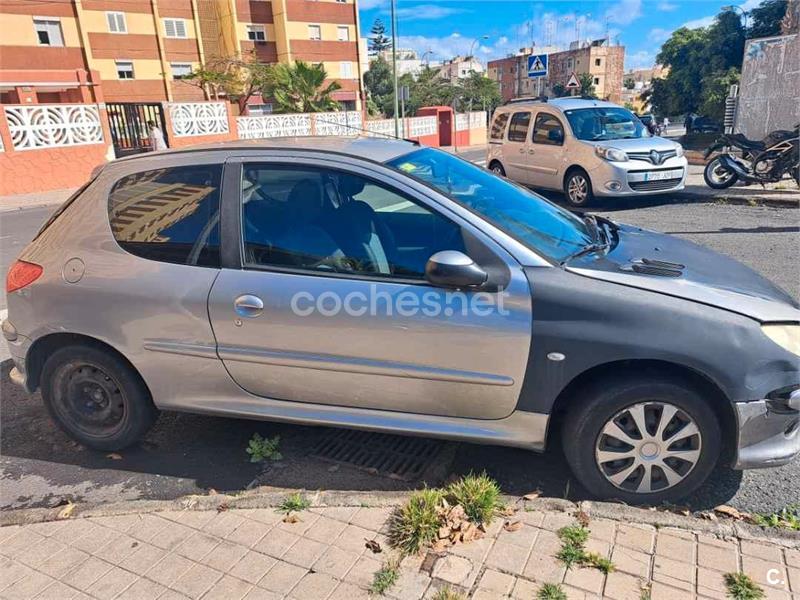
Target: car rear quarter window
x=169, y=215
x=518, y=130
x=499, y=126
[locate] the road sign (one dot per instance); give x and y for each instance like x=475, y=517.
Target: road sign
x=537, y=65
x=574, y=82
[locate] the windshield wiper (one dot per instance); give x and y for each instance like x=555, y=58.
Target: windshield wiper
x=587, y=249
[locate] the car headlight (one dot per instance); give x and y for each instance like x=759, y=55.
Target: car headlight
x=786, y=336
x=678, y=150
x=612, y=154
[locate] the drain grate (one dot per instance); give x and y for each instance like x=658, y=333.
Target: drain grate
x=395, y=456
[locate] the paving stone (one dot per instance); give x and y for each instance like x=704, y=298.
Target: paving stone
x=197, y=519
x=353, y=539
x=523, y=537
x=411, y=585
x=28, y=587
x=453, y=569
x=282, y=577
x=363, y=571
x=630, y=561
x=253, y=567
x=792, y=557
x=336, y=562
x=602, y=529
x=171, y=535
x=794, y=579
x=509, y=557
x=13, y=546
x=338, y=513
x=266, y=516
x=544, y=568
x=534, y=518
x=277, y=542
x=769, y=552
x=524, y=589
x=589, y=580
x=224, y=556
x=574, y=593
x=148, y=527
x=12, y=571
x=667, y=567
x=8, y=531
x=375, y=519
x=35, y=555
x=87, y=573
x=481, y=594
x=621, y=586
x=223, y=524
x=315, y=585
x=719, y=556
x=475, y=551
x=58, y=591
x=168, y=570
x=228, y=588
x=249, y=533
x=261, y=594
x=47, y=528
x=636, y=537
x=496, y=582
x=660, y=591
x=197, y=546
x=196, y=581
x=675, y=547
x=711, y=583
x=763, y=570
x=600, y=547
x=325, y=530
x=172, y=595
x=555, y=521
x=144, y=558
x=142, y=589
x=348, y=591
x=305, y=521
x=111, y=584
x=305, y=552
x=63, y=562
x=118, y=549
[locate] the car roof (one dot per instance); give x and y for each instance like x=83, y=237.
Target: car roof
x=562, y=104
x=373, y=148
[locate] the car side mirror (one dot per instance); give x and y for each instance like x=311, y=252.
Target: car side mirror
x=453, y=269
x=555, y=135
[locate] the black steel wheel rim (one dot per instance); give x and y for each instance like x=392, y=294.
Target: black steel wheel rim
x=89, y=399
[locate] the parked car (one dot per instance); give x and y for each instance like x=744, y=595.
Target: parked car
x=650, y=122
x=586, y=148
x=335, y=281
x=703, y=125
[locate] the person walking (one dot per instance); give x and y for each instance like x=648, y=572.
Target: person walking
x=666, y=124
x=157, y=141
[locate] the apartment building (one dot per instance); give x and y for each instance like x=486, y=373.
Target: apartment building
x=511, y=73
x=459, y=67
x=140, y=50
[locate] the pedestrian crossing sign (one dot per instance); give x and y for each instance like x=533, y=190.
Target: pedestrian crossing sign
x=537, y=65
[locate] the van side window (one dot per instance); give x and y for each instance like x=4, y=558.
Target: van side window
x=548, y=130
x=518, y=130
x=499, y=126
x=169, y=215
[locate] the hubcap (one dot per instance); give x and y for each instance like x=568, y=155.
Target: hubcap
x=648, y=447
x=578, y=189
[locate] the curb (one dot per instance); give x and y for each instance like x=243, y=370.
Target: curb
x=739, y=200
x=253, y=500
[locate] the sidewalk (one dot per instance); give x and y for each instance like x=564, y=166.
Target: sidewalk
x=252, y=553
x=23, y=201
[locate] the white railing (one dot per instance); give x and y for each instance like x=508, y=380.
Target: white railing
x=337, y=123
x=477, y=120
x=421, y=126
x=54, y=125
x=268, y=126
x=380, y=128
x=198, y=118
x=462, y=122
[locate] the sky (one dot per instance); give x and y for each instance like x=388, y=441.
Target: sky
x=450, y=27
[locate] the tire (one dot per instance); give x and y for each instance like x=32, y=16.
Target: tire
x=719, y=177
x=96, y=398
x=578, y=189
x=613, y=402
x=497, y=168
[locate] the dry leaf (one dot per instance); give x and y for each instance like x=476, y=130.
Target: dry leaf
x=114, y=456
x=212, y=492
x=66, y=512
x=470, y=533
x=512, y=525
x=583, y=518
x=532, y=495
x=291, y=518
x=222, y=507
x=444, y=532
x=729, y=511
x=374, y=546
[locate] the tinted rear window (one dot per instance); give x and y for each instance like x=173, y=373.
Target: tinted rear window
x=169, y=215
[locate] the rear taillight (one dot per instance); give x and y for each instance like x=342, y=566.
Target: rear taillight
x=22, y=274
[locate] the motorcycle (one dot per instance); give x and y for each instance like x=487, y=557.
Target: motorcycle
x=761, y=162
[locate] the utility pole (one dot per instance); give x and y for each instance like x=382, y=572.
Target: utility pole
x=394, y=68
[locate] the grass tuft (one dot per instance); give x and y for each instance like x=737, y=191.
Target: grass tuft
x=416, y=523
x=574, y=534
x=741, y=587
x=294, y=503
x=573, y=552
x=479, y=495
x=786, y=518
x=551, y=591
x=447, y=593
x=261, y=449
x=385, y=577
x=592, y=559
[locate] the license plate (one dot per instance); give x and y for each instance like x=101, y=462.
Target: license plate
x=656, y=175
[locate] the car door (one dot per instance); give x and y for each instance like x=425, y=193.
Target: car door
x=516, y=148
x=548, y=151
x=329, y=304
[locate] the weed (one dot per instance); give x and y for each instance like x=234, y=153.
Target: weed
x=385, y=577
x=786, y=518
x=741, y=587
x=416, y=523
x=573, y=552
x=447, y=593
x=571, y=555
x=592, y=559
x=551, y=591
x=261, y=448
x=574, y=534
x=479, y=495
x=294, y=503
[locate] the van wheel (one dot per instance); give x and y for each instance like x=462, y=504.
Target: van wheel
x=96, y=398
x=578, y=189
x=497, y=169
x=641, y=440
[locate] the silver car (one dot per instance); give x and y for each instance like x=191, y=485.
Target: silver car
x=586, y=148
x=385, y=286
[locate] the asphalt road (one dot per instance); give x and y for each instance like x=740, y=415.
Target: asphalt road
x=40, y=466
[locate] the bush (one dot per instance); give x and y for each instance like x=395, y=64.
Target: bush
x=416, y=523
x=479, y=495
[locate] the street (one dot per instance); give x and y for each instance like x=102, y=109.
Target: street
x=187, y=454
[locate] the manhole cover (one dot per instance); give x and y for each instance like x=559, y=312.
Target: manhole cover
x=395, y=456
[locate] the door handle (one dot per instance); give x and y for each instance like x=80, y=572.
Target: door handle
x=522, y=150
x=531, y=151
x=248, y=305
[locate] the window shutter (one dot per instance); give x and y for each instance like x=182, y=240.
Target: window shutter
x=169, y=27
x=180, y=28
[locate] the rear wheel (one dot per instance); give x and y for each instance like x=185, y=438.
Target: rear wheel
x=96, y=398
x=497, y=169
x=718, y=176
x=641, y=440
x=578, y=189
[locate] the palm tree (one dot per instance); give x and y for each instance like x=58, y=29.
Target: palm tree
x=300, y=88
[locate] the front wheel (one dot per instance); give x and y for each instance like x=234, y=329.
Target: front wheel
x=641, y=440
x=718, y=176
x=578, y=189
x=497, y=169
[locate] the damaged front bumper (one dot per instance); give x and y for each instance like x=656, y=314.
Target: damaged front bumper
x=768, y=430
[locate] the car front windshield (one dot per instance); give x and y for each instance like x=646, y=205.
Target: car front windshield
x=605, y=123
x=537, y=223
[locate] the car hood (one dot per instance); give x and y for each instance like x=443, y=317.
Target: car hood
x=669, y=265
x=637, y=144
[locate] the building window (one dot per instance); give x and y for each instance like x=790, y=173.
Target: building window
x=314, y=32
x=180, y=70
x=256, y=33
x=597, y=81
x=175, y=28
x=597, y=62
x=343, y=33
x=116, y=22
x=346, y=70
x=259, y=109
x=48, y=31
x=124, y=69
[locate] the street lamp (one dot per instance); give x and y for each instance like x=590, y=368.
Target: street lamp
x=740, y=9
x=472, y=47
x=394, y=68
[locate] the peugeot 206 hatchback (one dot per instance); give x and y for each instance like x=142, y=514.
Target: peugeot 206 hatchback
x=583, y=147
x=385, y=286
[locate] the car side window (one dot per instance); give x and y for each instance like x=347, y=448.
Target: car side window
x=169, y=215
x=499, y=126
x=548, y=130
x=324, y=220
x=518, y=130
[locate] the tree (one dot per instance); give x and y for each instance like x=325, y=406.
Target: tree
x=238, y=77
x=587, y=84
x=300, y=88
x=378, y=42
x=716, y=86
x=478, y=91
x=559, y=90
x=629, y=83
x=431, y=90
x=765, y=19
x=210, y=79
x=379, y=84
